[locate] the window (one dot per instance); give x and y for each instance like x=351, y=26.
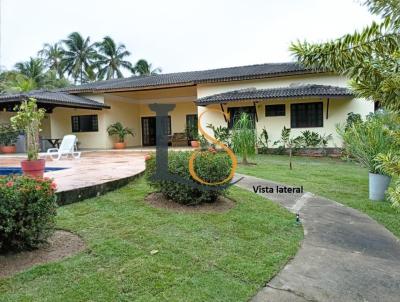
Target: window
x=84, y=123
x=235, y=113
x=166, y=125
x=306, y=115
x=191, y=122
x=275, y=110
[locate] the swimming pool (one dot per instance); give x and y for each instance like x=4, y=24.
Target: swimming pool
x=17, y=170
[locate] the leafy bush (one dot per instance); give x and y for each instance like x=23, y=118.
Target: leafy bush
x=365, y=140
x=222, y=134
x=209, y=166
x=27, y=212
x=8, y=135
x=310, y=138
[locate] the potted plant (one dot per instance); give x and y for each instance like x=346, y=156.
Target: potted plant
x=192, y=134
x=121, y=132
x=8, y=138
x=365, y=141
x=28, y=119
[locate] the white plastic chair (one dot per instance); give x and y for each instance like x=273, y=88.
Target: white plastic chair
x=67, y=147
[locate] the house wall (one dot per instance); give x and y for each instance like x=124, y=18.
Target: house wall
x=122, y=112
x=129, y=114
x=338, y=108
x=5, y=117
x=178, y=115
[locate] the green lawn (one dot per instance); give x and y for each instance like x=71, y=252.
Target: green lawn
x=345, y=182
x=202, y=256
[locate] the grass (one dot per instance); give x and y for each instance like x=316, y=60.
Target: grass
x=344, y=182
x=202, y=256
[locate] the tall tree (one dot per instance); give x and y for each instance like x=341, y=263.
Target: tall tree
x=17, y=83
x=142, y=67
x=111, y=59
x=371, y=59
x=33, y=69
x=79, y=56
x=52, y=55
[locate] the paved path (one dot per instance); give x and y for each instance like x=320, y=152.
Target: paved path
x=345, y=255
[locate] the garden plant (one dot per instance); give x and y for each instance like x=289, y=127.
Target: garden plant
x=27, y=212
x=370, y=59
x=244, y=137
x=209, y=166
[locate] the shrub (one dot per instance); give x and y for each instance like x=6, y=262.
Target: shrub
x=365, y=140
x=209, y=166
x=27, y=212
x=8, y=135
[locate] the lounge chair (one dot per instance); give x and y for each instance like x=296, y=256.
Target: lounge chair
x=67, y=147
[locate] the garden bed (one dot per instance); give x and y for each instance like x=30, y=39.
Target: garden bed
x=158, y=200
x=61, y=245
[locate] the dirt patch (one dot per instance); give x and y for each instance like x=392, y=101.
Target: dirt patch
x=158, y=200
x=61, y=245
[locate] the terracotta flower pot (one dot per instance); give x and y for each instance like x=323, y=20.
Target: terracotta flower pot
x=8, y=149
x=34, y=168
x=119, y=145
x=195, y=144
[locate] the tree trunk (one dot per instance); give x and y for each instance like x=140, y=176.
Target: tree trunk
x=244, y=160
x=290, y=158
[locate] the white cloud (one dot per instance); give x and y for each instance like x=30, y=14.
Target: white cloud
x=180, y=35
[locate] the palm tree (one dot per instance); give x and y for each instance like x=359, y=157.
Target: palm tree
x=111, y=59
x=33, y=69
x=52, y=56
x=79, y=56
x=19, y=83
x=143, y=67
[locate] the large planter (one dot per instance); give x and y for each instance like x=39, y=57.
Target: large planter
x=378, y=185
x=119, y=145
x=34, y=168
x=8, y=149
x=195, y=144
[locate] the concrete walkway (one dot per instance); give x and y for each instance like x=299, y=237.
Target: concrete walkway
x=345, y=255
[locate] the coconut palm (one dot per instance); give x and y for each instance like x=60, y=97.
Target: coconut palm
x=111, y=59
x=52, y=55
x=143, y=67
x=33, y=69
x=79, y=55
x=19, y=83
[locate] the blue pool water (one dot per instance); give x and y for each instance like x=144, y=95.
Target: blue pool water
x=16, y=170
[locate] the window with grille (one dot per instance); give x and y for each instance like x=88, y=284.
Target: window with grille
x=275, y=110
x=84, y=123
x=306, y=115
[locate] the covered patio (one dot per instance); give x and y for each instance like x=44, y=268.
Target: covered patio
x=50, y=101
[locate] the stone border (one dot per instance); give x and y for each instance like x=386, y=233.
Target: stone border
x=79, y=194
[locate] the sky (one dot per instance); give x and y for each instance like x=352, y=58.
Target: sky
x=179, y=35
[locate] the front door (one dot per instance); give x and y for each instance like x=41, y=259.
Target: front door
x=148, y=131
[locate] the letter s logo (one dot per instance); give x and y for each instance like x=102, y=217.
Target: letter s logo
x=217, y=142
